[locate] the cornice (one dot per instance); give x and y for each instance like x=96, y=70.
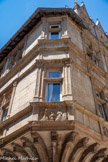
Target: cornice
x=33, y=21
x=34, y=126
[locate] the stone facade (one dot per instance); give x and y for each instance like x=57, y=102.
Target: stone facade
x=75, y=129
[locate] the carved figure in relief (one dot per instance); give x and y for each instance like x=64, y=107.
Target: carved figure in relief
x=45, y=116
x=64, y=116
x=52, y=116
x=59, y=115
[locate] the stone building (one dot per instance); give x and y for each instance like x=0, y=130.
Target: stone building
x=54, y=89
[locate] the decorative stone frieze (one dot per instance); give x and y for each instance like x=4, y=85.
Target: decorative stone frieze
x=49, y=115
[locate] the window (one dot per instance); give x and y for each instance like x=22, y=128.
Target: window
x=5, y=100
x=106, y=99
x=101, y=109
x=54, y=35
x=53, y=74
x=90, y=55
x=93, y=58
x=4, y=114
x=54, y=31
x=96, y=61
x=54, y=26
x=16, y=57
x=1, y=99
x=53, y=92
x=102, y=103
x=53, y=86
x=98, y=94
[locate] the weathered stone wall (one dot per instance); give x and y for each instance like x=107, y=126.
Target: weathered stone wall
x=74, y=34
x=21, y=122
x=87, y=120
x=24, y=92
x=82, y=89
x=32, y=39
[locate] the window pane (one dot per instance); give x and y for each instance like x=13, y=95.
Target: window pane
x=53, y=93
x=99, y=94
x=54, y=74
x=54, y=35
x=55, y=26
x=102, y=111
x=4, y=114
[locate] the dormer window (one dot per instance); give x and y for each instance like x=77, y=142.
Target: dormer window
x=54, y=31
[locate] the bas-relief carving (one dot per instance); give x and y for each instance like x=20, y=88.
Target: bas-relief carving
x=45, y=115
x=52, y=115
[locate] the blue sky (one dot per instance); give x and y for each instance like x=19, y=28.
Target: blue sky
x=13, y=13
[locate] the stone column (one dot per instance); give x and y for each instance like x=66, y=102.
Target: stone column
x=54, y=146
x=24, y=48
x=12, y=98
x=104, y=59
x=41, y=98
x=0, y=113
x=64, y=83
x=43, y=28
x=64, y=33
x=1, y=110
x=67, y=81
x=38, y=91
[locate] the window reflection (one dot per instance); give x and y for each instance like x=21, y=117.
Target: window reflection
x=54, y=35
x=53, y=94
x=54, y=74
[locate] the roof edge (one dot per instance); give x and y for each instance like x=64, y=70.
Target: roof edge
x=31, y=22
